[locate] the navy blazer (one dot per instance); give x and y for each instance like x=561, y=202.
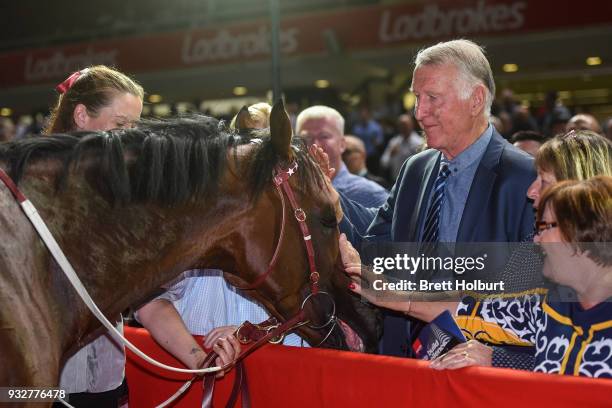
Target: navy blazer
x=497, y=208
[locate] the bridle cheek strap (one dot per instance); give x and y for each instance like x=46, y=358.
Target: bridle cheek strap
x=272, y=263
x=281, y=181
x=300, y=216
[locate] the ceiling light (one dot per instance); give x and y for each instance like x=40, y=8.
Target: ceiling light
x=409, y=100
x=6, y=112
x=322, y=83
x=162, y=109
x=592, y=61
x=240, y=90
x=155, y=98
x=510, y=67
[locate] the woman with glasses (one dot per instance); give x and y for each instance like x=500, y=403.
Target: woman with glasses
x=574, y=230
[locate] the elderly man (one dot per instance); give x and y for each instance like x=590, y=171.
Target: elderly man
x=324, y=126
x=471, y=185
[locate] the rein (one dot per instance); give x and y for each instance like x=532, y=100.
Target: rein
x=44, y=233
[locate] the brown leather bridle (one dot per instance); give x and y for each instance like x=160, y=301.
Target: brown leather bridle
x=274, y=330
x=281, y=181
x=271, y=330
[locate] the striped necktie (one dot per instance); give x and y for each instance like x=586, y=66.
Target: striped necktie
x=430, y=233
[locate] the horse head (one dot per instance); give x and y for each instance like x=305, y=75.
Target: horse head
x=286, y=286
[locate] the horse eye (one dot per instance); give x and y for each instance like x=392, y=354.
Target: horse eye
x=329, y=222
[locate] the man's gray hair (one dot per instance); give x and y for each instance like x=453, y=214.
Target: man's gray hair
x=320, y=112
x=470, y=60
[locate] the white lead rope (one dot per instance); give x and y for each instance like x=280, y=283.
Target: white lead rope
x=65, y=265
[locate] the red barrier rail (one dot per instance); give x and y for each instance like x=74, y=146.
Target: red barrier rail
x=282, y=376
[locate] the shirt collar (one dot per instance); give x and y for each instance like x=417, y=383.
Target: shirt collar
x=472, y=154
x=341, y=173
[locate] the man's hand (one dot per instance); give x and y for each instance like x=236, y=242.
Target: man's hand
x=319, y=155
x=228, y=350
x=217, y=333
x=349, y=254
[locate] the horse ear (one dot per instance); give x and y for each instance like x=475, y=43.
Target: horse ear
x=280, y=131
x=242, y=119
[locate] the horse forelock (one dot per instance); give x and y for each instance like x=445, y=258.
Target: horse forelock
x=264, y=161
x=164, y=161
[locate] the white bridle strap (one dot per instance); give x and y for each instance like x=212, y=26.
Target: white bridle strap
x=66, y=267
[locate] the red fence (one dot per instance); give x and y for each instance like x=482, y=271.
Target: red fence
x=286, y=376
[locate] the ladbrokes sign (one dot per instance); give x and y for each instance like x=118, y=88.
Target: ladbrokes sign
x=225, y=46
x=434, y=21
x=357, y=29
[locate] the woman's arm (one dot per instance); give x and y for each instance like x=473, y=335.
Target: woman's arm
x=422, y=305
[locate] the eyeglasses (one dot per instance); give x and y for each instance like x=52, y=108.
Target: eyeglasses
x=543, y=226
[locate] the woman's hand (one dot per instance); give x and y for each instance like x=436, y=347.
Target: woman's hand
x=467, y=354
x=360, y=274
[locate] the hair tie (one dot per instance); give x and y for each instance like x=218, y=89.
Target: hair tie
x=68, y=82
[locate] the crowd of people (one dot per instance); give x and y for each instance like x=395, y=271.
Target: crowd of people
x=464, y=167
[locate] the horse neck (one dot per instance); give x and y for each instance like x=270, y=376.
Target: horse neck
x=120, y=254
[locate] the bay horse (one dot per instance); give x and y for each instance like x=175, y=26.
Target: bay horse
x=134, y=208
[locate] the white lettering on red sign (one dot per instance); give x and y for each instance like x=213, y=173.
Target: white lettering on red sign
x=434, y=22
x=60, y=64
x=227, y=46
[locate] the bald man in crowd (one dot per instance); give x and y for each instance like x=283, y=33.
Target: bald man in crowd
x=583, y=121
x=608, y=128
x=354, y=157
x=324, y=126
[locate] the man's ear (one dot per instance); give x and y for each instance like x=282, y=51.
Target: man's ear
x=478, y=100
x=80, y=116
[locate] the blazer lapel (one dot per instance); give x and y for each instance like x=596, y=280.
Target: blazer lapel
x=428, y=179
x=480, y=191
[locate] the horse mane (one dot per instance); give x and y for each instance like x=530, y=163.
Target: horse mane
x=164, y=161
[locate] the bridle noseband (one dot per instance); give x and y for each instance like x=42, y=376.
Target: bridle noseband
x=281, y=183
